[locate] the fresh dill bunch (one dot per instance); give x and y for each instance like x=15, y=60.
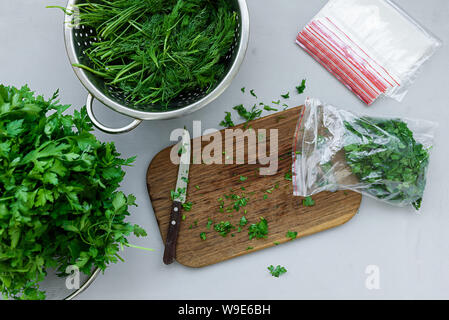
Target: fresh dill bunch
x=155, y=50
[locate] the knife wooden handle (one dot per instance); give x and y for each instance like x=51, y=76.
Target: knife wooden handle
x=172, y=234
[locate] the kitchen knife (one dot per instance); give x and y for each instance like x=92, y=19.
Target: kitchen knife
x=179, y=198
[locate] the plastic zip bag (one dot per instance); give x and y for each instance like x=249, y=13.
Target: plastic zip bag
x=373, y=47
x=385, y=158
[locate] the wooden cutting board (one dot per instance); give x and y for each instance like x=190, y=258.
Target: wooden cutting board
x=281, y=209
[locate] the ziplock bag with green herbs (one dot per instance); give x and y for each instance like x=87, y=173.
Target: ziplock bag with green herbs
x=385, y=158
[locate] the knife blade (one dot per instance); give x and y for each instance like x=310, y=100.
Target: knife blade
x=179, y=196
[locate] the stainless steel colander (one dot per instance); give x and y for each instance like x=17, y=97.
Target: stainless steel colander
x=78, y=38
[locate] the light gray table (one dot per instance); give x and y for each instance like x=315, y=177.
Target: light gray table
x=410, y=250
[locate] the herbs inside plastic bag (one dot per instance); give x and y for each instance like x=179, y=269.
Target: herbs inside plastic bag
x=380, y=157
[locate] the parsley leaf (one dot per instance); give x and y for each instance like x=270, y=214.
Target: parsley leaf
x=292, y=234
x=276, y=272
x=308, y=202
x=286, y=96
x=301, y=88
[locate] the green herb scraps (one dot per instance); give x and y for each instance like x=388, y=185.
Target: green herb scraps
x=59, y=203
x=292, y=235
x=187, y=206
x=308, y=202
x=258, y=230
x=155, y=50
x=223, y=228
x=276, y=272
x=243, y=221
x=302, y=87
x=253, y=114
x=227, y=122
x=268, y=108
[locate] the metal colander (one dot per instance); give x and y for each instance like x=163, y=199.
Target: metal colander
x=78, y=38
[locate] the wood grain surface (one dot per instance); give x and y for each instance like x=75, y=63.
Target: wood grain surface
x=281, y=209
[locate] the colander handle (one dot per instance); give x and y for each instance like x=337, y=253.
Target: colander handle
x=90, y=113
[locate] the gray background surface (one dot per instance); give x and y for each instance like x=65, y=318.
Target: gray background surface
x=411, y=250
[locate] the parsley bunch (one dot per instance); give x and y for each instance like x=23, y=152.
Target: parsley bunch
x=384, y=155
x=59, y=203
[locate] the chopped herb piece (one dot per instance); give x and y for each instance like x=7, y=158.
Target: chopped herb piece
x=265, y=196
x=195, y=223
x=268, y=108
x=249, y=248
x=276, y=102
x=187, y=206
x=286, y=96
x=291, y=234
x=248, y=115
x=197, y=187
x=288, y=176
x=209, y=223
x=253, y=93
x=182, y=150
x=185, y=179
x=258, y=230
x=301, y=87
x=243, y=221
x=308, y=202
x=176, y=195
x=203, y=236
x=227, y=122
x=243, y=89
x=223, y=228
x=276, y=272
x=276, y=243
x=242, y=178
x=183, y=217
